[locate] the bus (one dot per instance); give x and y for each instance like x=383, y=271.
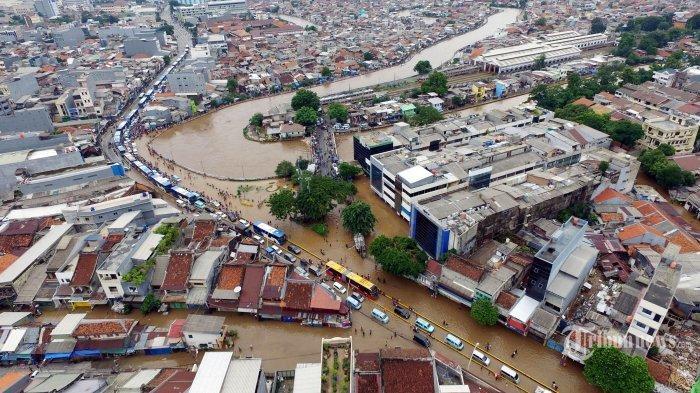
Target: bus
x=355, y=280
x=121, y=126
x=269, y=232
x=142, y=102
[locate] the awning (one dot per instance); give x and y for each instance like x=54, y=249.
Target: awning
x=54, y=356
x=85, y=353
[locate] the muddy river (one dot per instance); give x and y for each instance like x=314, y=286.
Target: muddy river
x=215, y=143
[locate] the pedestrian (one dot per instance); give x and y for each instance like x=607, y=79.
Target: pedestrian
x=251, y=347
x=512, y=355
x=363, y=333
x=370, y=332
x=488, y=346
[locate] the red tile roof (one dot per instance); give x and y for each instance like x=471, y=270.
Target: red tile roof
x=367, y=383
x=203, y=229
x=104, y=327
x=366, y=361
x=521, y=259
x=111, y=241
x=689, y=162
x=252, y=287
x=175, y=329
x=660, y=372
x=6, y=260
x=609, y=194
x=407, y=371
x=84, y=269
x=322, y=300
x=230, y=276
x=179, y=382
x=506, y=300
x=434, y=267
x=687, y=243
x=26, y=227
x=298, y=295
x=13, y=243
x=463, y=267
x=634, y=230
x=178, y=271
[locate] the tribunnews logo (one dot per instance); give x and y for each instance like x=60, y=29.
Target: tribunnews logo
x=581, y=340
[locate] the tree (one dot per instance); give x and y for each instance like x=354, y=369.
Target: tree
x=598, y=25
x=666, y=149
x=166, y=60
x=425, y=115
x=317, y=194
x=423, y=67
x=436, y=83
x=693, y=22
x=256, y=120
x=306, y=116
x=326, y=72
x=338, y=111
x=232, y=85
x=648, y=45
x=541, y=22
x=285, y=169
x=282, y=204
x=603, y=167
x=399, y=255
x=167, y=28
x=540, y=62
x=358, y=218
x=305, y=98
x=368, y=56
x=484, y=313
x=150, y=303
x=310, y=28
x=626, y=45
x=631, y=374
x=625, y=132
x=347, y=171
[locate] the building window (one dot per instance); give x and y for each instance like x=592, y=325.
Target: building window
x=189, y=336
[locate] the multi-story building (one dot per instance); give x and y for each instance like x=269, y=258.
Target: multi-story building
x=622, y=171
x=652, y=309
x=680, y=133
x=95, y=215
x=187, y=82
x=524, y=57
x=46, y=8
x=462, y=218
x=70, y=37
x=75, y=103
x=142, y=46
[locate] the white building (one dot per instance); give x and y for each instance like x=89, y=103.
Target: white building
x=573, y=38
x=203, y=331
x=219, y=372
x=99, y=213
x=652, y=309
x=524, y=57
x=623, y=168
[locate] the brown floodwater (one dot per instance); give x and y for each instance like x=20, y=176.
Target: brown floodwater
x=282, y=345
x=215, y=144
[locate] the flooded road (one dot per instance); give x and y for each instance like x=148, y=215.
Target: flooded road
x=273, y=340
x=215, y=144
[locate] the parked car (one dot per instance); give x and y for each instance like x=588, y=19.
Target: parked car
x=421, y=339
x=296, y=250
x=291, y=258
x=358, y=296
x=258, y=239
x=339, y=287
x=402, y=312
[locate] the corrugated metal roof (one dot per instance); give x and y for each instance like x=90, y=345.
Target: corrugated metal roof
x=307, y=378
x=30, y=256
x=242, y=376
x=10, y=318
x=211, y=372
x=54, y=383
x=13, y=340
x=141, y=378
x=68, y=324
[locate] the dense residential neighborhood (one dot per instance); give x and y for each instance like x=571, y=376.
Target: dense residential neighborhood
x=369, y=197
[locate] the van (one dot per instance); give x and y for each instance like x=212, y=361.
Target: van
x=454, y=342
x=424, y=325
x=339, y=287
x=421, y=339
x=480, y=357
x=402, y=312
x=353, y=303
x=328, y=287
x=510, y=374
x=358, y=296
x=258, y=239
x=380, y=316
x=276, y=249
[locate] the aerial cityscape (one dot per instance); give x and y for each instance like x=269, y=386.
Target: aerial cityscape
x=323, y=196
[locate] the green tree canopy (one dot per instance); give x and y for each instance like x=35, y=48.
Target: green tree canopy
x=423, y=67
x=347, y=171
x=540, y=62
x=282, y=204
x=369, y=56
x=399, y=255
x=541, y=21
x=436, y=83
x=484, y=313
x=693, y=23
x=338, y=111
x=285, y=169
x=358, y=218
x=256, y=120
x=598, y=25
x=306, y=116
x=666, y=172
x=167, y=28
x=305, y=98
x=603, y=167
x=425, y=115
x=317, y=195
x=667, y=149
x=150, y=304
x=166, y=60
x=326, y=72
x=616, y=372
x=232, y=85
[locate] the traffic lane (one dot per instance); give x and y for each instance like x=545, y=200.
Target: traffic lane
x=486, y=373
x=404, y=336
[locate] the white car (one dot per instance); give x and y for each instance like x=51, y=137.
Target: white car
x=339, y=287
x=258, y=239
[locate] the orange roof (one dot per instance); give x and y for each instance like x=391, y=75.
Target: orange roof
x=10, y=379
x=611, y=217
x=610, y=193
x=7, y=260
x=635, y=230
x=584, y=102
x=686, y=242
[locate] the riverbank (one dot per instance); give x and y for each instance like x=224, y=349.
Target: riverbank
x=231, y=155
